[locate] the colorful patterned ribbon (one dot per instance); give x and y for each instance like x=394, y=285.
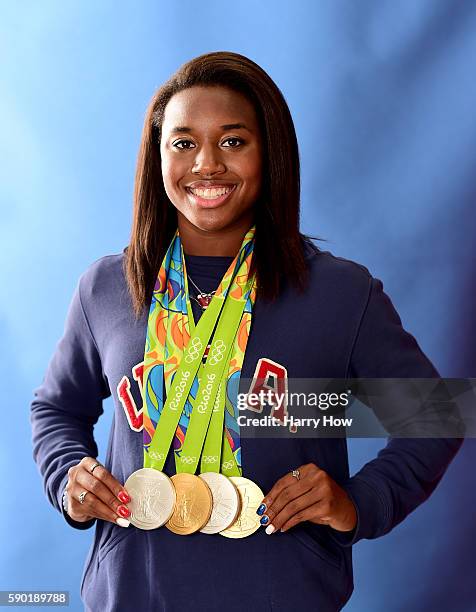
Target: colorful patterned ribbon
x=169, y=328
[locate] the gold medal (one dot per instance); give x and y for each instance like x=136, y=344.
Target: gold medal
x=247, y=521
x=193, y=505
x=226, y=502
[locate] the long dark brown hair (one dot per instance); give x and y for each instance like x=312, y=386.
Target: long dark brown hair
x=278, y=251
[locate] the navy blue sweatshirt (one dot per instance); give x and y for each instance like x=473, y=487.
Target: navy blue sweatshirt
x=344, y=325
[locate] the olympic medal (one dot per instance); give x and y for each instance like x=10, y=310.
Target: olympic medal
x=226, y=502
x=193, y=505
x=247, y=521
x=152, y=498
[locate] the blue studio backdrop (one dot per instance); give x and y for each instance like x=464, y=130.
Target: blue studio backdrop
x=383, y=97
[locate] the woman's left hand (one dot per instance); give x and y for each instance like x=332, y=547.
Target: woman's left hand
x=315, y=497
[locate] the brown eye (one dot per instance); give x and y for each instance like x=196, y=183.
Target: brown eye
x=179, y=142
x=232, y=139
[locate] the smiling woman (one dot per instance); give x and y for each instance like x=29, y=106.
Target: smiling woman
x=219, y=285
x=211, y=166
x=208, y=123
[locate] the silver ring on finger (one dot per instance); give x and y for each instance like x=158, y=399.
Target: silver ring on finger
x=296, y=474
x=81, y=496
x=94, y=467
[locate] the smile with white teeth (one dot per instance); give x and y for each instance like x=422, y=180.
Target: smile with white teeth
x=210, y=194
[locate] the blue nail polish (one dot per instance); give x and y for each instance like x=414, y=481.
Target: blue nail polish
x=264, y=520
x=261, y=509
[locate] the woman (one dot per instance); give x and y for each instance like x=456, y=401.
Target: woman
x=219, y=163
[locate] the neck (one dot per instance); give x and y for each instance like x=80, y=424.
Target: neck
x=223, y=242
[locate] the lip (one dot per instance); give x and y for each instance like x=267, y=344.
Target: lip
x=206, y=202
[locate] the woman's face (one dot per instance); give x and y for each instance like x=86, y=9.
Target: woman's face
x=211, y=157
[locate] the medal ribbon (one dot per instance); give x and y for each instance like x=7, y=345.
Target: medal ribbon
x=210, y=380
x=174, y=355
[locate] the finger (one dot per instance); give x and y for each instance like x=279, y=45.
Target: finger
x=285, y=498
x=310, y=477
x=285, y=481
x=91, y=506
x=88, y=482
x=106, y=478
x=317, y=513
x=292, y=508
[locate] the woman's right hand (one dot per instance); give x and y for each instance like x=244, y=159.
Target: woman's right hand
x=105, y=499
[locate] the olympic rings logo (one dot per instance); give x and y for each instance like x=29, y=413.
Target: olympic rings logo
x=194, y=349
x=217, y=352
x=210, y=458
x=187, y=459
x=227, y=465
x=155, y=455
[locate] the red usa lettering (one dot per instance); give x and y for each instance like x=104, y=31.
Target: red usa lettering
x=134, y=416
x=266, y=369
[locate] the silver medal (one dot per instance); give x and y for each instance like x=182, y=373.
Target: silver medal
x=152, y=498
x=226, y=502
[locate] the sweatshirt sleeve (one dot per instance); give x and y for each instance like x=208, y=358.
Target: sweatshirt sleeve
x=407, y=470
x=67, y=405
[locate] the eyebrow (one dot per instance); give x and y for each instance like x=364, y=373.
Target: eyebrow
x=228, y=126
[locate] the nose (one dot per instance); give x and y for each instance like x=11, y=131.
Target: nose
x=208, y=160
